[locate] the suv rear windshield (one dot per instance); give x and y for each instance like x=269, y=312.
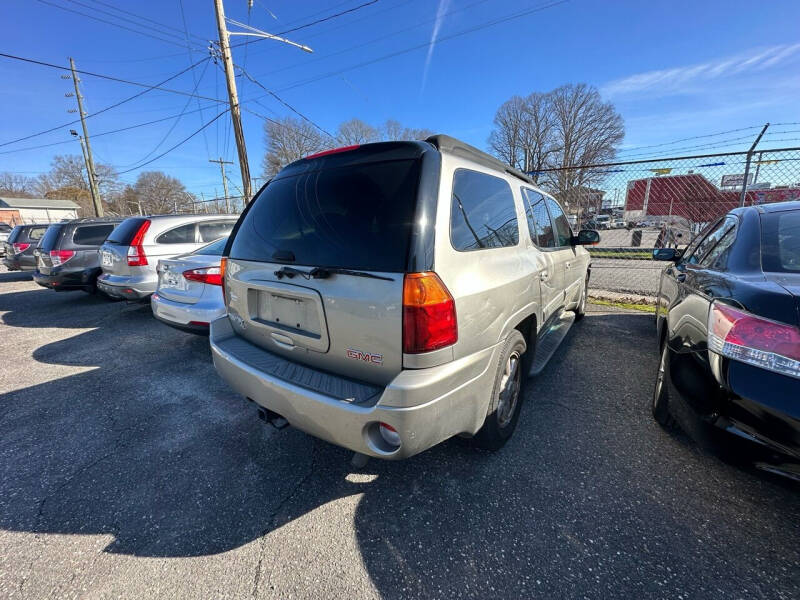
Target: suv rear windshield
x=12, y=237
x=780, y=237
x=50, y=238
x=124, y=232
x=356, y=217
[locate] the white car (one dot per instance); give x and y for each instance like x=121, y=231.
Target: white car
x=189, y=294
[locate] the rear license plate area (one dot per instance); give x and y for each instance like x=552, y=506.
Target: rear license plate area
x=106, y=259
x=288, y=313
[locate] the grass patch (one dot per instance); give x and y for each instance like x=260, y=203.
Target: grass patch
x=629, y=305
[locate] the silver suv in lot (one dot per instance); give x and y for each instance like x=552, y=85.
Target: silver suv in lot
x=389, y=296
x=130, y=254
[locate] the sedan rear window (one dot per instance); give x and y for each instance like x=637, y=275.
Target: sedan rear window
x=355, y=216
x=781, y=242
x=213, y=249
x=124, y=232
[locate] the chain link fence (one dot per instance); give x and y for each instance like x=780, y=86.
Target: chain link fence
x=641, y=205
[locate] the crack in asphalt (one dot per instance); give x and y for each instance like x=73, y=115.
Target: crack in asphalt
x=273, y=518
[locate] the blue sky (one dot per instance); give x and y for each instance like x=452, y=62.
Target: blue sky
x=674, y=70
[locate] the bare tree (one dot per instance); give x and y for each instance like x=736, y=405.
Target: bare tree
x=288, y=140
x=67, y=179
x=17, y=186
x=587, y=132
x=506, y=139
x=158, y=193
x=537, y=135
x=395, y=131
x=356, y=131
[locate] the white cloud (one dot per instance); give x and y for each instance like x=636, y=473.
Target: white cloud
x=676, y=80
x=437, y=25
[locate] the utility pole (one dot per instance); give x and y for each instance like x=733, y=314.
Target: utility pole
x=98, y=207
x=230, y=78
x=222, y=164
x=236, y=113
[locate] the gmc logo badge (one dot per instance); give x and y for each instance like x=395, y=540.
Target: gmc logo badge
x=375, y=359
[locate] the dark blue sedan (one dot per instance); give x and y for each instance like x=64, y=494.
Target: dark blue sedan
x=728, y=319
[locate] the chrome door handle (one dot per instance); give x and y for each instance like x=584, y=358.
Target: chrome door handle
x=543, y=276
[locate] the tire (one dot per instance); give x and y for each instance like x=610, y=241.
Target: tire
x=660, y=404
x=580, y=309
x=506, y=401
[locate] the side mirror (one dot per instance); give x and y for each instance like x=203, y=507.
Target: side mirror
x=666, y=254
x=586, y=237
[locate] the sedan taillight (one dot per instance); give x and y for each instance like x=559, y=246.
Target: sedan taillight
x=59, y=257
x=745, y=337
x=209, y=275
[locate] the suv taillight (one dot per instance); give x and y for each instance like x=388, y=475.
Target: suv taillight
x=747, y=338
x=136, y=255
x=209, y=275
x=59, y=257
x=20, y=248
x=223, y=264
x=429, y=314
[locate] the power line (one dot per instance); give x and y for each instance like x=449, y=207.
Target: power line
x=694, y=137
x=96, y=135
x=107, y=108
x=118, y=79
x=720, y=144
x=328, y=18
x=194, y=79
x=183, y=141
x=149, y=20
x=286, y=104
x=174, y=124
x=88, y=16
x=441, y=39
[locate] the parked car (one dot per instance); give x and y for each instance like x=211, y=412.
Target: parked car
x=189, y=294
x=5, y=229
x=67, y=255
x=131, y=253
x=618, y=224
x=20, y=245
x=729, y=327
x=389, y=296
x=602, y=222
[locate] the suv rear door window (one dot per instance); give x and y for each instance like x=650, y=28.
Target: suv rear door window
x=92, y=235
x=185, y=234
x=124, y=232
x=560, y=224
x=539, y=219
x=483, y=213
x=51, y=237
x=36, y=233
x=356, y=217
x=214, y=230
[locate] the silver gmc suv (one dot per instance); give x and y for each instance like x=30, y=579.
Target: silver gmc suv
x=389, y=296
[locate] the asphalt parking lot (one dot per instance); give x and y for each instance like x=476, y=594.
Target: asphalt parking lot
x=129, y=469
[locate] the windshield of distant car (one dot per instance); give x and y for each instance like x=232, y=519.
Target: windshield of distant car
x=215, y=248
x=781, y=241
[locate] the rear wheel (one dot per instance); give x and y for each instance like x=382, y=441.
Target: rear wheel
x=506, y=401
x=660, y=405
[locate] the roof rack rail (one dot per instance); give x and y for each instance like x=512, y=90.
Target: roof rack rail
x=446, y=143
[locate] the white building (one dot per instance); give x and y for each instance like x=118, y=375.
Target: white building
x=19, y=211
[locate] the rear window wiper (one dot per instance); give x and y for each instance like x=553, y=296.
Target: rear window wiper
x=324, y=273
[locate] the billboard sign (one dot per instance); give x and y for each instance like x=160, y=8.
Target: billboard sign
x=736, y=180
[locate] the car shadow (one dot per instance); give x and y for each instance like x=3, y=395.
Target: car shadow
x=150, y=447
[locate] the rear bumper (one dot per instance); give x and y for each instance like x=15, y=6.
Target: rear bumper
x=66, y=280
x=192, y=317
x=129, y=288
x=19, y=264
x=425, y=406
